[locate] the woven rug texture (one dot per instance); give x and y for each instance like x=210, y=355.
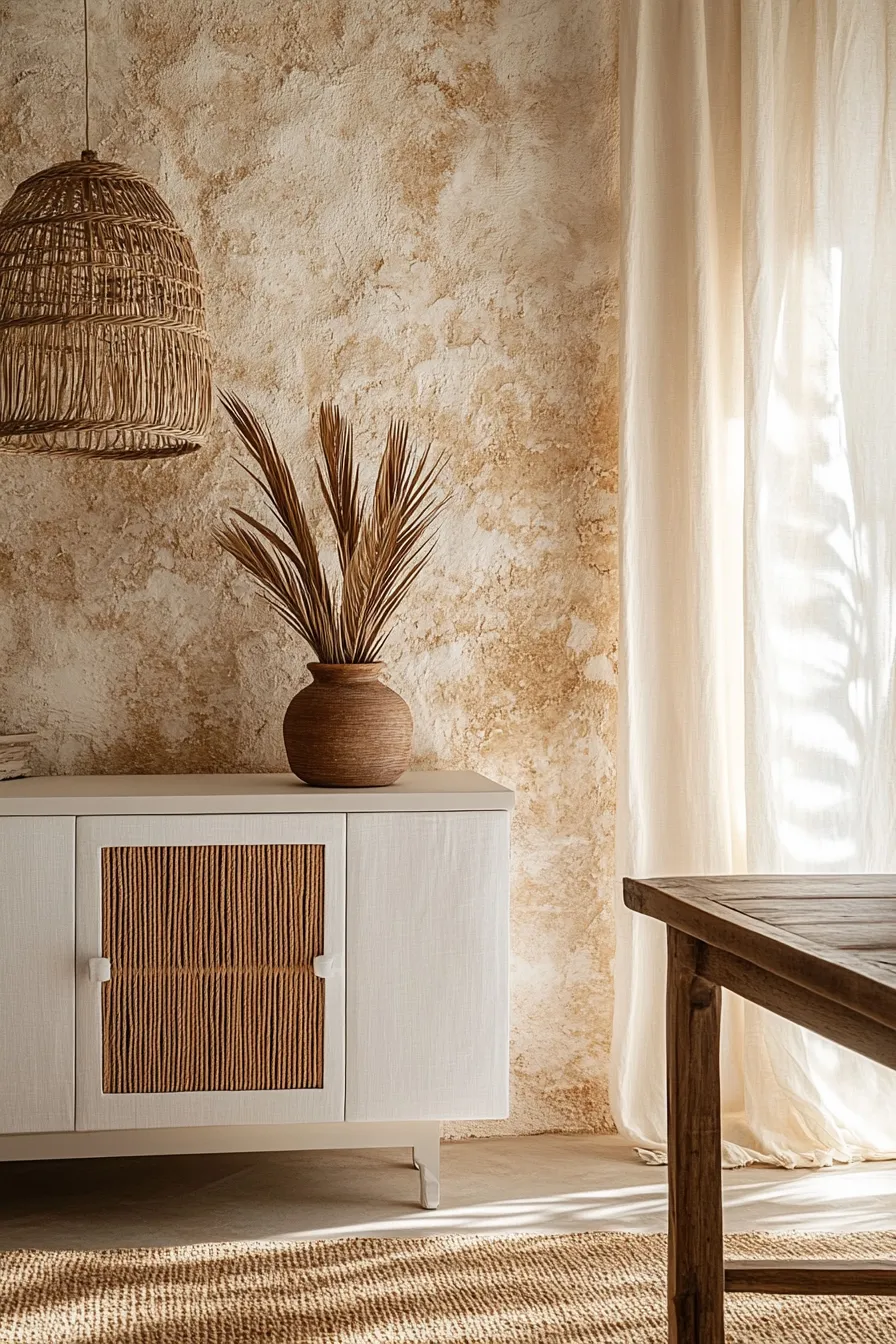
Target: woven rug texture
x=590, y=1286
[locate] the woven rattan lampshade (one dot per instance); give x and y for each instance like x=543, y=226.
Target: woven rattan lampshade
x=103, y=346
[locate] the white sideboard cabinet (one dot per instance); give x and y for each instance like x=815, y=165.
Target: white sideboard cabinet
x=202, y=963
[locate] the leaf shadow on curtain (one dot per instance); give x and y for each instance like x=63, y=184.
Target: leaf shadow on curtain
x=792, y=768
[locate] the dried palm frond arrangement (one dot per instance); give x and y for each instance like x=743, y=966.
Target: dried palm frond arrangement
x=383, y=541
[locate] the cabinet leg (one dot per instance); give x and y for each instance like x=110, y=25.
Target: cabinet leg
x=429, y=1188
x=426, y=1160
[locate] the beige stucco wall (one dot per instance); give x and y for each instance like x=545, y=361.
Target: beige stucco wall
x=410, y=207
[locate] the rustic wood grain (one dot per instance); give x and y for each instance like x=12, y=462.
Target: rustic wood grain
x=851, y=978
x=785, y=886
x=808, y=950
x=844, y=936
x=812, y=1277
x=805, y=909
x=800, y=1005
x=696, y=1284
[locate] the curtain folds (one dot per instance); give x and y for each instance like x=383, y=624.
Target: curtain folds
x=758, y=515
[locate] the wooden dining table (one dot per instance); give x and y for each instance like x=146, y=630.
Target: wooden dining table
x=820, y=951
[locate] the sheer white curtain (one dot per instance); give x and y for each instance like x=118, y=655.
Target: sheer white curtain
x=758, y=514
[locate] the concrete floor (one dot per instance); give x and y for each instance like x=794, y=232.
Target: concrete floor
x=545, y=1183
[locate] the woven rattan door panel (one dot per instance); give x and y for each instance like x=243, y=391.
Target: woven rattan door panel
x=211, y=950
x=207, y=928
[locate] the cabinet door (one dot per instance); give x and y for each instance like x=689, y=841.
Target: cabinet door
x=213, y=1012
x=37, y=974
x=426, y=995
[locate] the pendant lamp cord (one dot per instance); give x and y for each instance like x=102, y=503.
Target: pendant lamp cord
x=86, y=79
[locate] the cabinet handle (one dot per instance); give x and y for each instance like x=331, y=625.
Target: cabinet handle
x=325, y=967
x=99, y=969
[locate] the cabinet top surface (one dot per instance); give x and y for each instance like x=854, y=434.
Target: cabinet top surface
x=416, y=791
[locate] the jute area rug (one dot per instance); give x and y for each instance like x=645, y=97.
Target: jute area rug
x=586, y=1286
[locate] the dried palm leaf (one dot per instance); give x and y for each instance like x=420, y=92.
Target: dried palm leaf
x=339, y=480
x=383, y=543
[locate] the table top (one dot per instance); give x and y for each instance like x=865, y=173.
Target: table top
x=118, y=795
x=834, y=935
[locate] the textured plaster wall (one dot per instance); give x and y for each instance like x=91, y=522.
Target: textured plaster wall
x=411, y=207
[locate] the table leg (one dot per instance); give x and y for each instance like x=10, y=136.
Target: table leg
x=696, y=1266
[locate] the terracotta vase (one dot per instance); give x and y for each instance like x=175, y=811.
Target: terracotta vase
x=346, y=729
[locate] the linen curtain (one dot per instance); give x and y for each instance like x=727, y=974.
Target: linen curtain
x=758, y=515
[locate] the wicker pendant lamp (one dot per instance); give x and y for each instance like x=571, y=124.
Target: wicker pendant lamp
x=103, y=346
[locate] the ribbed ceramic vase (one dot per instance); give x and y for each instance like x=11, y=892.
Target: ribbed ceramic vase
x=346, y=729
